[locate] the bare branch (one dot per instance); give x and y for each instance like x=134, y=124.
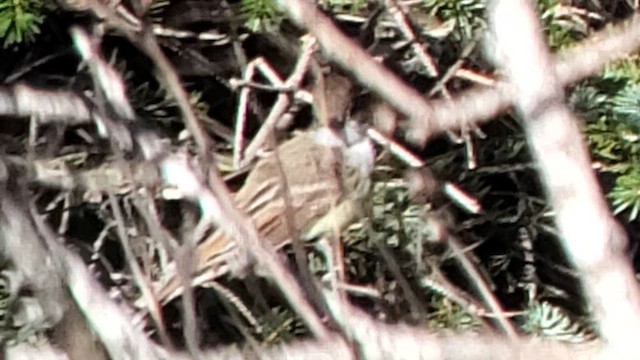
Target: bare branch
x=589, y=233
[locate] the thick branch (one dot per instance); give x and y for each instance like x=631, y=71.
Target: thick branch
x=589, y=233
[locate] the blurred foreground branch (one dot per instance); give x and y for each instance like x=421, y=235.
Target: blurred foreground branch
x=590, y=234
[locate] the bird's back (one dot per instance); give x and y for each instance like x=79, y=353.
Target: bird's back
x=314, y=184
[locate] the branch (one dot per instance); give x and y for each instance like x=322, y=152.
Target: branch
x=590, y=235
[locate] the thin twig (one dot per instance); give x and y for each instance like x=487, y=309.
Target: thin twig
x=241, y=116
x=474, y=106
x=282, y=102
x=337, y=47
x=481, y=285
x=216, y=205
x=141, y=280
x=403, y=24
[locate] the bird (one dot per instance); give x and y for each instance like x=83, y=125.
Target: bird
x=327, y=174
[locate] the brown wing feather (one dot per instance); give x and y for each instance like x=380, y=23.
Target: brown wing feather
x=313, y=194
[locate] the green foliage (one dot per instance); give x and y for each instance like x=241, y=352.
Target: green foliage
x=561, y=26
x=394, y=215
x=351, y=6
x=614, y=143
x=281, y=325
x=150, y=99
x=626, y=193
x=258, y=14
x=625, y=106
x=610, y=104
x=467, y=14
x=625, y=70
x=448, y=315
x=397, y=222
x=20, y=20
x=261, y=14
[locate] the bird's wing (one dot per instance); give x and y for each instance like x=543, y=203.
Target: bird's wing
x=315, y=187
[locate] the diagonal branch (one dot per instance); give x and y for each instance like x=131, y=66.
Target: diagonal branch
x=589, y=233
